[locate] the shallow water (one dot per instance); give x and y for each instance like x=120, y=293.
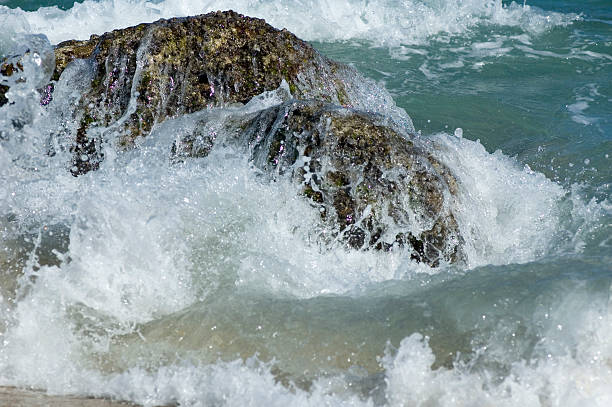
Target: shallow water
x=203, y=283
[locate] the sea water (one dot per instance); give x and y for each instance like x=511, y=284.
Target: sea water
x=202, y=283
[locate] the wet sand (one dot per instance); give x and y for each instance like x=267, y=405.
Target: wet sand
x=14, y=397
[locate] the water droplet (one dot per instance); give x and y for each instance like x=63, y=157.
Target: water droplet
x=36, y=58
x=587, y=161
x=459, y=132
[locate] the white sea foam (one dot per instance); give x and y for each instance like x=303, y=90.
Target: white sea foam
x=50, y=356
x=509, y=213
x=384, y=22
x=579, y=380
x=577, y=377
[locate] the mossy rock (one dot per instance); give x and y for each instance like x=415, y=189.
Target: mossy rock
x=150, y=72
x=68, y=51
x=376, y=187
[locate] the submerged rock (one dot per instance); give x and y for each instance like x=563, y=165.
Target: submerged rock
x=142, y=75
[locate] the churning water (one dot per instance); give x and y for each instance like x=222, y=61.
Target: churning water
x=200, y=283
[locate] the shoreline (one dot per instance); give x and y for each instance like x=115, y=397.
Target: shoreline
x=16, y=397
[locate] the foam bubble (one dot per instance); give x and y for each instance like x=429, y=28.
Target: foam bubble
x=584, y=96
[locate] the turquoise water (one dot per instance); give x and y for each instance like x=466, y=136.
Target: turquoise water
x=548, y=100
x=197, y=285
x=33, y=5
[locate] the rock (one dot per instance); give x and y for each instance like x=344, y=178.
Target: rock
x=375, y=186
x=3, y=90
x=8, y=67
x=145, y=74
x=6, y=70
x=337, y=135
x=27, y=65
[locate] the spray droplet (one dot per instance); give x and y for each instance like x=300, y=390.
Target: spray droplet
x=587, y=161
x=459, y=132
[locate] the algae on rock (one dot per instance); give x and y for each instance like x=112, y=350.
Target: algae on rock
x=375, y=186
x=337, y=135
x=147, y=73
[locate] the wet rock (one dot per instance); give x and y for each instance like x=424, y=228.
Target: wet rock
x=145, y=74
x=375, y=185
x=7, y=69
x=3, y=90
x=27, y=65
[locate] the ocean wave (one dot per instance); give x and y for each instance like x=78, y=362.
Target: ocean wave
x=381, y=22
x=146, y=241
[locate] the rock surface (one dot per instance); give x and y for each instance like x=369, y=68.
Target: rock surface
x=5, y=70
x=339, y=136
x=375, y=186
x=145, y=74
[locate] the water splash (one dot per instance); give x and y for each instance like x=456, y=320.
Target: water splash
x=383, y=22
x=144, y=243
